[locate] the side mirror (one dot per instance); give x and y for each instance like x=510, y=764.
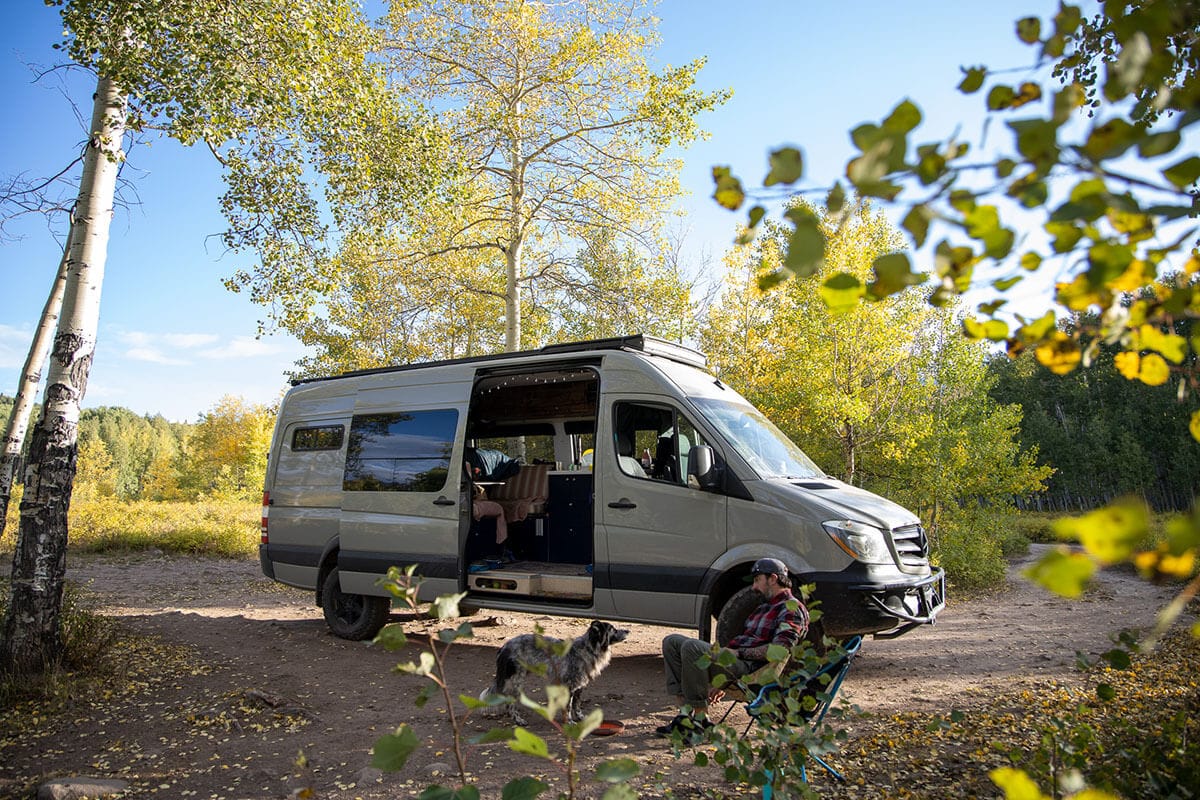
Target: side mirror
x=702, y=464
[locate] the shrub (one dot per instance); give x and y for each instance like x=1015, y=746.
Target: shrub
x=212, y=527
x=969, y=547
x=88, y=642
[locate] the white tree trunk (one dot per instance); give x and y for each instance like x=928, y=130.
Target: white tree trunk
x=31, y=377
x=32, y=640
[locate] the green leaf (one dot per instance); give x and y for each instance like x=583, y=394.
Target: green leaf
x=1029, y=30
x=391, y=751
x=529, y=744
x=391, y=637
x=904, y=118
x=494, y=735
x=446, y=605
x=1063, y=572
x=995, y=330
x=806, y=245
x=1039, y=329
x=1118, y=658
x=916, y=222
x=1184, y=173
x=1105, y=692
x=1157, y=144
x=427, y=693
x=836, y=199
x=787, y=166
x=893, y=273
x=841, y=292
x=1125, y=74
x=972, y=79
x=1111, y=140
x=436, y=792
x=1004, y=284
x=1000, y=97
x=1031, y=261
x=578, y=730
x=617, y=770
x=525, y=788
x=1107, y=262
x=729, y=193
x=619, y=792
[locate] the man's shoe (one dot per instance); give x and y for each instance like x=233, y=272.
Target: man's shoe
x=676, y=724
x=696, y=731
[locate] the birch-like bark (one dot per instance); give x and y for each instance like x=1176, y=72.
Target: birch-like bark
x=31, y=377
x=32, y=637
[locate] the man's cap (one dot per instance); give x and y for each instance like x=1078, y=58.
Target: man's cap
x=769, y=566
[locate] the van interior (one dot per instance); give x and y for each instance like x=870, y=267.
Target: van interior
x=545, y=422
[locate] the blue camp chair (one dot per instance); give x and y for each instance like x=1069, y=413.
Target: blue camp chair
x=768, y=707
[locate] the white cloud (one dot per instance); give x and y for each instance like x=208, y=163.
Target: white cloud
x=244, y=347
x=14, y=346
x=154, y=356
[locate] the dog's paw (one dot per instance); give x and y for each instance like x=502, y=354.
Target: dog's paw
x=518, y=719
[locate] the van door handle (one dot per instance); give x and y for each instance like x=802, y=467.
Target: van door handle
x=622, y=503
x=443, y=501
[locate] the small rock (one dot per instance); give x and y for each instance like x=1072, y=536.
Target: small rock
x=369, y=775
x=438, y=768
x=75, y=788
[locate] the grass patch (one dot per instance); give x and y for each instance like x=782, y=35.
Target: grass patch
x=215, y=527
x=89, y=642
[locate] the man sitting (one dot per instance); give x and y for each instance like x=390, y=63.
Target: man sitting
x=773, y=622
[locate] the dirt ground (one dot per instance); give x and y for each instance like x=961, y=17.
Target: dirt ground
x=247, y=677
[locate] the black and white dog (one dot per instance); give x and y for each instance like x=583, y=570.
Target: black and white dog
x=584, y=660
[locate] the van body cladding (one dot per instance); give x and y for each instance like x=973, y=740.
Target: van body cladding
x=636, y=487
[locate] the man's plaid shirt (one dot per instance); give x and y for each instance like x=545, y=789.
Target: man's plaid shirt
x=773, y=623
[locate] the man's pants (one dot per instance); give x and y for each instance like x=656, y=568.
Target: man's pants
x=680, y=654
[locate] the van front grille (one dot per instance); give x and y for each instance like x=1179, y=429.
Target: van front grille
x=911, y=545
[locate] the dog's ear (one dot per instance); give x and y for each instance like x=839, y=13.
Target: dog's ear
x=596, y=632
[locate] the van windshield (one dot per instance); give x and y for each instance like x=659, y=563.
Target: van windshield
x=765, y=447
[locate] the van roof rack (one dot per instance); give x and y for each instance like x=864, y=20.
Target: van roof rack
x=652, y=345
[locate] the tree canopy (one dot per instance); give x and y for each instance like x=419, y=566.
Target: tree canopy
x=550, y=129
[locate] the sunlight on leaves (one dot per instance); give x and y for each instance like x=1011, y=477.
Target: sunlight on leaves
x=1110, y=534
x=841, y=292
x=617, y=770
x=529, y=744
x=446, y=605
x=1063, y=572
x=1060, y=354
x=729, y=193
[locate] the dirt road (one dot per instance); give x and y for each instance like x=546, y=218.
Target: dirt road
x=248, y=677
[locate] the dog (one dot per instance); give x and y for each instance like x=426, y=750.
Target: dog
x=584, y=660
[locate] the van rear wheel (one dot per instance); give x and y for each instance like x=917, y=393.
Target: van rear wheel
x=352, y=616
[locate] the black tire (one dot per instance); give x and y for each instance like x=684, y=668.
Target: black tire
x=352, y=616
x=732, y=618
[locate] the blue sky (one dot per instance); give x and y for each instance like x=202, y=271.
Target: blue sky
x=173, y=340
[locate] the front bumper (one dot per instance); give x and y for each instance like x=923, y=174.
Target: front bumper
x=886, y=609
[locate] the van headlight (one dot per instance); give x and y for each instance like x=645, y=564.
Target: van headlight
x=862, y=542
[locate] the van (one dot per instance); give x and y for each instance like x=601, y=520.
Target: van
x=636, y=486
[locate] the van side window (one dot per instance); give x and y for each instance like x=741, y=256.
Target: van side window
x=400, y=452
x=324, y=437
x=653, y=442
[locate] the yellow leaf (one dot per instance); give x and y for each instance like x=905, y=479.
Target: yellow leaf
x=1194, y=426
x=1060, y=355
x=1063, y=572
x=1138, y=274
x=1172, y=346
x=1094, y=794
x=1079, y=295
x=1154, y=371
x=1016, y=784
x=1127, y=364
x=1110, y=534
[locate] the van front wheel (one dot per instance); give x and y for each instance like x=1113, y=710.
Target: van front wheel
x=732, y=618
x=352, y=616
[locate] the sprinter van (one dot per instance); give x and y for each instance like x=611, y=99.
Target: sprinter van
x=636, y=486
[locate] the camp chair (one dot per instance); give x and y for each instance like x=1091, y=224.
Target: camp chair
x=767, y=705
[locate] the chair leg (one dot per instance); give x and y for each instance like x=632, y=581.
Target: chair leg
x=841, y=778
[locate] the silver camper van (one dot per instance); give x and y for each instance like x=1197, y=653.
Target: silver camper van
x=633, y=484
